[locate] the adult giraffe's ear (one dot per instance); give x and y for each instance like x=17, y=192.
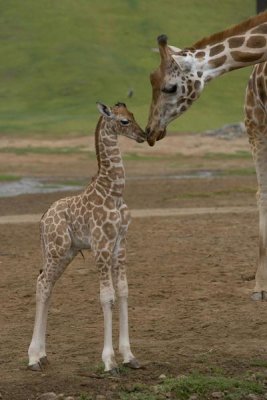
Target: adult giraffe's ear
x=104, y=110
x=173, y=49
x=184, y=63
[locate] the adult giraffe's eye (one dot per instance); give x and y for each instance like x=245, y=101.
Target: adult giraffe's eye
x=124, y=121
x=169, y=89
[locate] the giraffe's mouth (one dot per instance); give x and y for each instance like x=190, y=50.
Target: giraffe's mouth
x=140, y=140
x=153, y=136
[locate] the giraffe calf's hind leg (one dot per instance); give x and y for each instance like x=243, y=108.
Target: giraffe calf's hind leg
x=36, y=352
x=45, y=282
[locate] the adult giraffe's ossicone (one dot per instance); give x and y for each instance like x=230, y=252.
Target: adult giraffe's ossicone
x=180, y=79
x=182, y=74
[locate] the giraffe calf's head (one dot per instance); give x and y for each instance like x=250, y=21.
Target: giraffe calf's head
x=175, y=85
x=122, y=122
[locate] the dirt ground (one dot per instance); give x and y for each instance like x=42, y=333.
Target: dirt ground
x=189, y=278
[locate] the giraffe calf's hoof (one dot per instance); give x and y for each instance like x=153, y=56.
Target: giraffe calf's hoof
x=133, y=363
x=44, y=361
x=259, y=296
x=40, y=365
x=114, y=372
x=35, y=367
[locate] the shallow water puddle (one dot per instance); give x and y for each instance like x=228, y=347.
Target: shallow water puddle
x=33, y=185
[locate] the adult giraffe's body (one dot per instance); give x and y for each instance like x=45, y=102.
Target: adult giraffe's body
x=182, y=76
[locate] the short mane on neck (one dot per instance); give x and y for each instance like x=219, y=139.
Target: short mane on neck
x=233, y=31
x=97, y=133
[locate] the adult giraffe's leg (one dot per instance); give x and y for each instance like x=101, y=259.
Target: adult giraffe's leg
x=256, y=124
x=119, y=271
x=54, y=266
x=260, y=158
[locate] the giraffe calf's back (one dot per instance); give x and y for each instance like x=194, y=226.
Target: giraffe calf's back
x=71, y=222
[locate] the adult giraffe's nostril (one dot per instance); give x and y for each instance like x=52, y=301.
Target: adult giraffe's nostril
x=147, y=130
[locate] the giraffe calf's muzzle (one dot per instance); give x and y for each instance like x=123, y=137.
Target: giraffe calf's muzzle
x=142, y=137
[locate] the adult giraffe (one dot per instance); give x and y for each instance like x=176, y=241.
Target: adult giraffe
x=180, y=79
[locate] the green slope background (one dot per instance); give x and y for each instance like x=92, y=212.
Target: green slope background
x=58, y=57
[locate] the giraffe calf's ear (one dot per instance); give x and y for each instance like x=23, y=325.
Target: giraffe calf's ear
x=104, y=110
x=184, y=64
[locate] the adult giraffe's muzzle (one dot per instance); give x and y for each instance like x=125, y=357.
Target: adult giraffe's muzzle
x=153, y=136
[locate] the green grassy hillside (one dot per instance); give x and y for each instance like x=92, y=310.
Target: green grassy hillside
x=59, y=57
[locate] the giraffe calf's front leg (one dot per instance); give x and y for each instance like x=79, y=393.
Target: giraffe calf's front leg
x=124, y=342
x=107, y=299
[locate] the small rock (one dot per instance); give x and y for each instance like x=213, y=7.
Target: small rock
x=162, y=377
x=253, y=396
x=128, y=388
x=227, y=132
x=265, y=395
x=100, y=397
x=1, y=396
x=193, y=397
x=217, y=395
x=68, y=398
x=156, y=389
x=61, y=396
x=47, y=396
x=180, y=376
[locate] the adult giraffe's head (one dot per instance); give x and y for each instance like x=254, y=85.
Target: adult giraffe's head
x=182, y=74
x=177, y=82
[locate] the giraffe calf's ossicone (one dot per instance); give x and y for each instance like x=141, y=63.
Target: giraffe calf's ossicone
x=96, y=219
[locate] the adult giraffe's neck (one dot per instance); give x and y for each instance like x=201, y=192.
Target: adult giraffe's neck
x=243, y=45
x=111, y=175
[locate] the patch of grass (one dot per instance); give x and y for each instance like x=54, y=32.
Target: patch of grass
x=258, y=363
x=85, y=397
x=9, y=178
x=196, y=384
x=52, y=74
x=203, y=386
x=42, y=150
x=142, y=157
x=238, y=172
x=193, y=195
x=75, y=183
x=138, y=392
x=138, y=396
x=226, y=156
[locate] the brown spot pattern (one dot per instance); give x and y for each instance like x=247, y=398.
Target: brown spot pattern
x=260, y=29
x=217, y=49
x=200, y=54
x=256, y=42
x=217, y=62
x=236, y=41
x=244, y=57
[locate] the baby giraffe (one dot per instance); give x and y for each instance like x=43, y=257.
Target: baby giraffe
x=96, y=219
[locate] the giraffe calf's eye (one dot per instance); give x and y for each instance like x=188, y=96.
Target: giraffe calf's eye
x=169, y=89
x=124, y=121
